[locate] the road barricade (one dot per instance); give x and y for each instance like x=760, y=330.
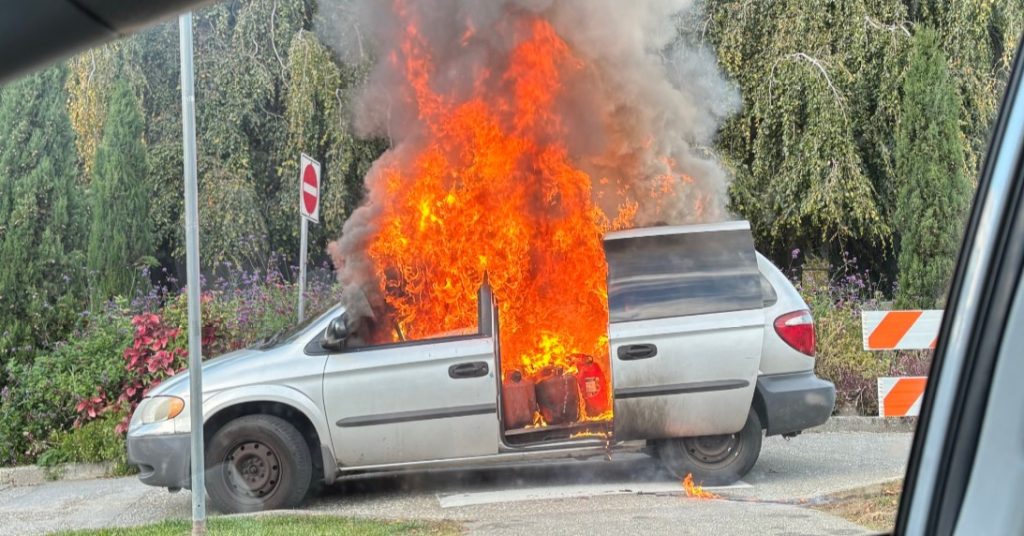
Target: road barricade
x=901, y=397
x=900, y=330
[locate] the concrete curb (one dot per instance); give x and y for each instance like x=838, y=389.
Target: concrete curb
x=887, y=425
x=33, y=475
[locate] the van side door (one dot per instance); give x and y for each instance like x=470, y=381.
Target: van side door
x=413, y=401
x=686, y=329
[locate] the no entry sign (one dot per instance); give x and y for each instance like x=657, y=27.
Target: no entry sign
x=309, y=188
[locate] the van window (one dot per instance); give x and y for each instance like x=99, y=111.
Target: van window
x=768, y=292
x=682, y=274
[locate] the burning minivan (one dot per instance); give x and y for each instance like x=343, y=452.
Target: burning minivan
x=708, y=348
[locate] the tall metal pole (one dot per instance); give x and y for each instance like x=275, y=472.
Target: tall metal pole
x=195, y=344
x=303, y=233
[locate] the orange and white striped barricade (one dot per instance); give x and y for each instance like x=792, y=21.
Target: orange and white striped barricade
x=900, y=330
x=900, y=397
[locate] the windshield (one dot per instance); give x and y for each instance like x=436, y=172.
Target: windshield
x=705, y=246
x=289, y=335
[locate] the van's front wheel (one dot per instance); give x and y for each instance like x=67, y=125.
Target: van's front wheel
x=714, y=460
x=257, y=462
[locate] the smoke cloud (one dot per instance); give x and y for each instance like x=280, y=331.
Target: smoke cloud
x=639, y=114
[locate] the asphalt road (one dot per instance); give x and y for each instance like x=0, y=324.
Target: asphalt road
x=630, y=495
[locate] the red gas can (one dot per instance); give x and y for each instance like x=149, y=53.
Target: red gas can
x=592, y=384
x=558, y=398
x=518, y=401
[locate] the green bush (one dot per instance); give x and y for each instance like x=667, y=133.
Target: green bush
x=40, y=397
x=93, y=442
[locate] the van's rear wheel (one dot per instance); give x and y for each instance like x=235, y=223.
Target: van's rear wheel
x=714, y=460
x=257, y=462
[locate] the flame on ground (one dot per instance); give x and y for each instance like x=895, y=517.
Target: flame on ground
x=696, y=491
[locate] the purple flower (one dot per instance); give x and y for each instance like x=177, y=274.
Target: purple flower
x=795, y=253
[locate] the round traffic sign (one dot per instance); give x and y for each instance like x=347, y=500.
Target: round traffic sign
x=310, y=189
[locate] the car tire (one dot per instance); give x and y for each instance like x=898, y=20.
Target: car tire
x=714, y=460
x=255, y=463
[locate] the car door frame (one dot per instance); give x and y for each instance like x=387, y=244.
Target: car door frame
x=956, y=401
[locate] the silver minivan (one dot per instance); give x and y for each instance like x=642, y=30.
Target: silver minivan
x=711, y=348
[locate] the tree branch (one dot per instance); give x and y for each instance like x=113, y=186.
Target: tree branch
x=901, y=27
x=815, y=62
x=273, y=44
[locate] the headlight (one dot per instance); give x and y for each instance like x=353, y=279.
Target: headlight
x=160, y=408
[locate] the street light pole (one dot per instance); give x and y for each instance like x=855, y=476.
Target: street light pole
x=195, y=344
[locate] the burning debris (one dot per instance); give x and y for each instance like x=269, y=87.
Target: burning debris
x=521, y=132
x=696, y=491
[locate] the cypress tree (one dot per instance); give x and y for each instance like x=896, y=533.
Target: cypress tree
x=933, y=189
x=119, y=235
x=41, y=218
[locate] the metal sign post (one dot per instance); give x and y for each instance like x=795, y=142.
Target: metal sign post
x=302, y=267
x=195, y=344
x=309, y=210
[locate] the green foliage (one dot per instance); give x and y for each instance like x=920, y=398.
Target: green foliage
x=319, y=90
x=119, y=237
x=41, y=217
x=288, y=525
x=93, y=442
x=42, y=395
x=803, y=175
x=934, y=191
x=91, y=79
x=979, y=40
x=245, y=241
x=813, y=149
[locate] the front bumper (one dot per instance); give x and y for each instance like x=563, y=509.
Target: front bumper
x=795, y=402
x=163, y=460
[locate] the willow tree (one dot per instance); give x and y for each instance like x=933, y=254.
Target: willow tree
x=979, y=40
x=934, y=190
x=242, y=74
x=319, y=92
x=119, y=235
x=811, y=148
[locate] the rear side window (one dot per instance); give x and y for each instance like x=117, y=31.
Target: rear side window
x=768, y=292
x=682, y=274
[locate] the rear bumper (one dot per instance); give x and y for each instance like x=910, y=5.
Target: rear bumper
x=163, y=460
x=795, y=402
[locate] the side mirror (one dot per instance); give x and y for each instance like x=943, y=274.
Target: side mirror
x=337, y=333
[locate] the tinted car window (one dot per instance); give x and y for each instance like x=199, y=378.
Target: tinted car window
x=682, y=274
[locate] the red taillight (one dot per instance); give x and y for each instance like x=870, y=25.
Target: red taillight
x=797, y=329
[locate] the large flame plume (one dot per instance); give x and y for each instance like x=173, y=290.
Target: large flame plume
x=521, y=132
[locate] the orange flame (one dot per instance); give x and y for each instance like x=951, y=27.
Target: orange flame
x=696, y=491
x=488, y=187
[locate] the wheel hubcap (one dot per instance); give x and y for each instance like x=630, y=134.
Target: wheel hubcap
x=712, y=449
x=253, y=469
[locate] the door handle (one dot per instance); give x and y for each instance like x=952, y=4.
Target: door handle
x=468, y=370
x=632, y=352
